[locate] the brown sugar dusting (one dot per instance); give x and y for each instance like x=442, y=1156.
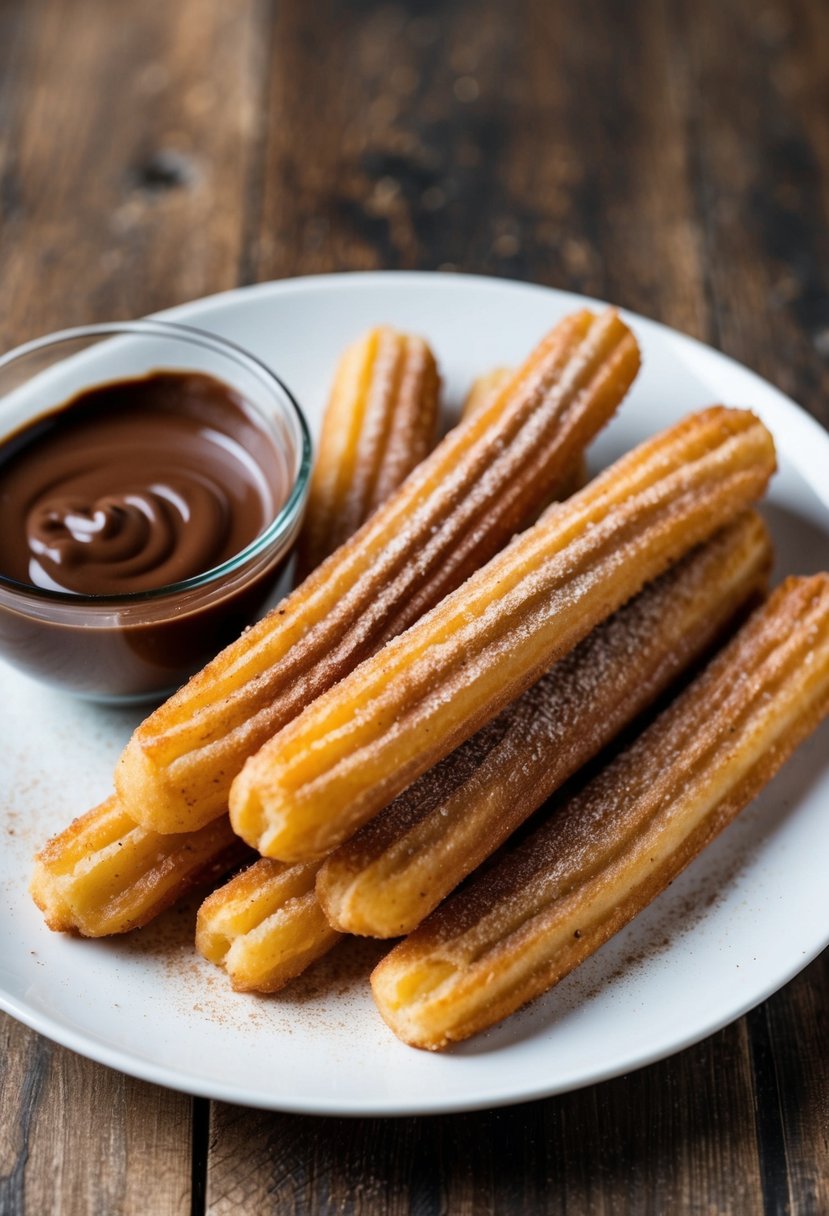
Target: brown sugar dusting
x=339, y=973
x=42, y=794
x=170, y=936
x=653, y=934
x=324, y=998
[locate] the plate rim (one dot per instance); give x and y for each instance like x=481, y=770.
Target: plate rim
x=482, y=1096
x=136, y=1066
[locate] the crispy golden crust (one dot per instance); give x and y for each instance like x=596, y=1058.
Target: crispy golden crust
x=252, y=920
x=104, y=874
x=603, y=855
x=381, y=421
x=485, y=389
x=359, y=745
x=452, y=513
x=265, y=926
x=399, y=867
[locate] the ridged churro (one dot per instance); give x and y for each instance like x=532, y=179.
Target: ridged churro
x=359, y=745
x=530, y=918
x=399, y=867
x=455, y=510
x=104, y=874
x=404, y=862
x=485, y=389
x=380, y=422
x=265, y=926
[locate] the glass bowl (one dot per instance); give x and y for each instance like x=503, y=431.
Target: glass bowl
x=139, y=646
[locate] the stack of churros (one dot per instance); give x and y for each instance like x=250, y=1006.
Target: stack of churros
x=451, y=514
x=361, y=743
x=603, y=855
x=388, y=877
x=439, y=674
x=454, y=509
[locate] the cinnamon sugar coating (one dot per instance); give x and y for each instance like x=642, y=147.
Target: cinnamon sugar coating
x=381, y=421
x=450, y=819
x=399, y=867
x=265, y=926
x=603, y=855
x=359, y=745
x=484, y=389
x=104, y=874
x=452, y=513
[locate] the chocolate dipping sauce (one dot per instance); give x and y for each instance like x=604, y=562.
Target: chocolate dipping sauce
x=127, y=488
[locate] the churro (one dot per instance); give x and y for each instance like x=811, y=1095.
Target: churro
x=404, y=862
x=399, y=867
x=265, y=926
x=360, y=744
x=529, y=919
x=104, y=874
x=380, y=422
x=485, y=389
x=455, y=510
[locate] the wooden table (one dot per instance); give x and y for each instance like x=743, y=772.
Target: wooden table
x=671, y=156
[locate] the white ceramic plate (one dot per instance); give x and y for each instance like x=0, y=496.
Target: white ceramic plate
x=741, y=921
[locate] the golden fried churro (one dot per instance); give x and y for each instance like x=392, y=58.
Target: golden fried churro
x=359, y=745
x=403, y=863
x=529, y=919
x=399, y=867
x=381, y=421
x=104, y=874
x=265, y=926
x=455, y=510
x=485, y=389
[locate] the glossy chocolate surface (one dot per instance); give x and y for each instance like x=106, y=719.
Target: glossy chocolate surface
x=129, y=487
x=134, y=485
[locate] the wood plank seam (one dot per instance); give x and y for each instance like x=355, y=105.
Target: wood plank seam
x=768, y=1116
x=13, y=1184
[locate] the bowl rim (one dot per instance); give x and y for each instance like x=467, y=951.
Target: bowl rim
x=278, y=526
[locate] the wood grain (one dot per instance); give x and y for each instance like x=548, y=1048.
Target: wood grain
x=668, y=1139
x=486, y=139
x=789, y=1034
x=76, y=1137
x=126, y=156
x=762, y=174
x=671, y=155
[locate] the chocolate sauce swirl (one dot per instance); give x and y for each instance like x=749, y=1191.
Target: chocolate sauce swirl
x=134, y=485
